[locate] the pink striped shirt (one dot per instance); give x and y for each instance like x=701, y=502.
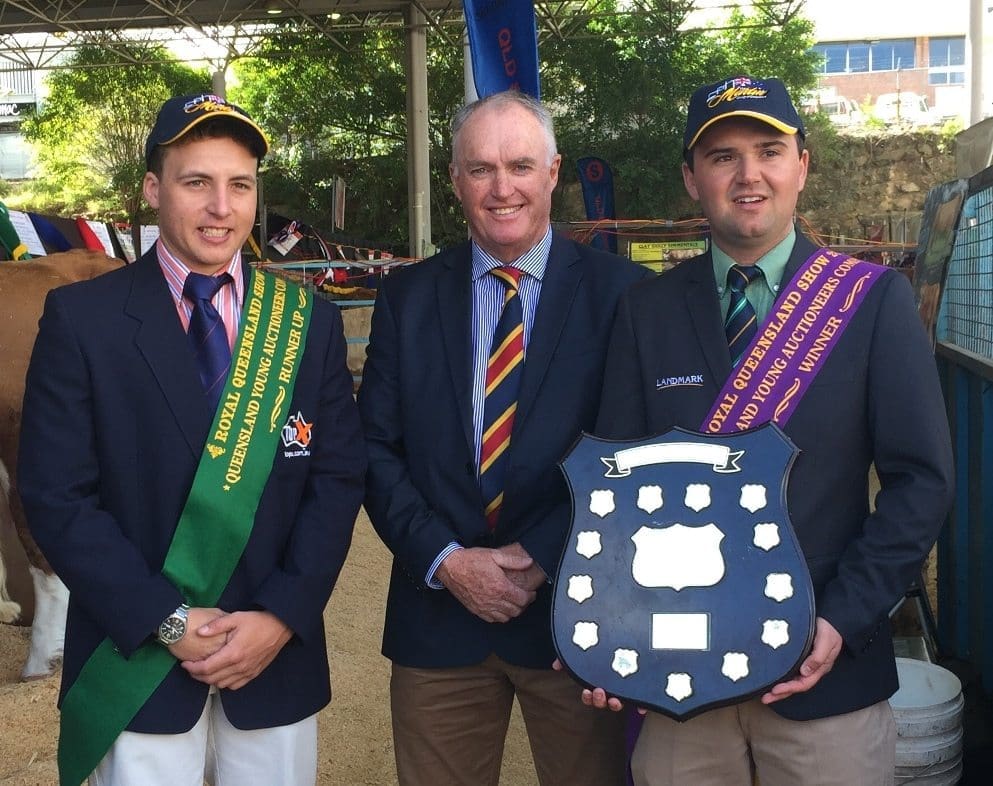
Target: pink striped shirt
x=227, y=301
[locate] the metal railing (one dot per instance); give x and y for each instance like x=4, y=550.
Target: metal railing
x=964, y=355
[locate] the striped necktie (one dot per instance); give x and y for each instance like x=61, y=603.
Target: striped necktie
x=741, y=322
x=503, y=380
x=208, y=334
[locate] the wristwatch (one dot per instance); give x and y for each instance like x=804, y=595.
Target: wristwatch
x=173, y=627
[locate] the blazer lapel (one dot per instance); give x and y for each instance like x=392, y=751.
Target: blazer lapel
x=454, y=309
x=703, y=304
x=563, y=274
x=163, y=345
x=802, y=250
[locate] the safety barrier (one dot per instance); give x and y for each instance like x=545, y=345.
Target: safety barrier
x=964, y=355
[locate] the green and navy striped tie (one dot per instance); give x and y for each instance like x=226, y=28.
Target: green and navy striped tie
x=741, y=322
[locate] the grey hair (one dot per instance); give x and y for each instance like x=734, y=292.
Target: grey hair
x=500, y=100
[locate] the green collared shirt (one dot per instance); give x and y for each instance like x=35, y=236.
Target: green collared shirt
x=762, y=292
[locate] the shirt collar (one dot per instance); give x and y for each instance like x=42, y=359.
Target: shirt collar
x=532, y=261
x=176, y=271
x=772, y=263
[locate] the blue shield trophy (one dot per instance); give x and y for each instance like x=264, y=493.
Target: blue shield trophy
x=682, y=587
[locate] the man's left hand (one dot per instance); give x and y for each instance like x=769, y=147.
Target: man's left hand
x=827, y=645
x=532, y=577
x=254, y=638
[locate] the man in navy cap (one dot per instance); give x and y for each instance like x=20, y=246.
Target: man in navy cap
x=850, y=379
x=192, y=466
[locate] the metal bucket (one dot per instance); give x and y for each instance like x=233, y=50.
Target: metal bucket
x=928, y=713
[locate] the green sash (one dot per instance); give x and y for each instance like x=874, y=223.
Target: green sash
x=215, y=523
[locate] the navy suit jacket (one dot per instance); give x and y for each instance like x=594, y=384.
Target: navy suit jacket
x=875, y=400
x=114, y=423
x=416, y=405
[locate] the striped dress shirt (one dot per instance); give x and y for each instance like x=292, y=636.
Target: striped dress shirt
x=227, y=301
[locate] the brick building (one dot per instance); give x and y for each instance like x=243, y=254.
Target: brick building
x=876, y=47
x=915, y=47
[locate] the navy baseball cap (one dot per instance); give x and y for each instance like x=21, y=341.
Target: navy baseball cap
x=181, y=113
x=741, y=96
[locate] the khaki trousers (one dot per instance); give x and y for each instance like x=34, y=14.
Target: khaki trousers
x=449, y=726
x=731, y=745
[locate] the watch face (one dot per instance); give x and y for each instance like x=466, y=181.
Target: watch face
x=172, y=629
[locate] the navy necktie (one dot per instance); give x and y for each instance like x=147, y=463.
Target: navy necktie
x=207, y=333
x=740, y=324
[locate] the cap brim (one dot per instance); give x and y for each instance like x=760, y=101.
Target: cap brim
x=779, y=125
x=208, y=116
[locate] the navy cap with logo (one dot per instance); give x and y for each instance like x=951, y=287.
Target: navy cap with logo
x=741, y=96
x=181, y=113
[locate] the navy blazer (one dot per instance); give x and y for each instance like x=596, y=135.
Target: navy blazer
x=875, y=400
x=416, y=406
x=114, y=423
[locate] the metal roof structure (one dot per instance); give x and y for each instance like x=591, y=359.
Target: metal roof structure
x=38, y=33
x=75, y=16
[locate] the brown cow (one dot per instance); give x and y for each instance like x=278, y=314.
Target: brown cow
x=23, y=287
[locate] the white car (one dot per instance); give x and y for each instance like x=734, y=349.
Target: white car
x=905, y=107
x=839, y=110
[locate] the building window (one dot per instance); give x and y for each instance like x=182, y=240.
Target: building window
x=892, y=55
x=849, y=57
x=946, y=61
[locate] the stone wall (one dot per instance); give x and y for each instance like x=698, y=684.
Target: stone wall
x=861, y=185
x=874, y=180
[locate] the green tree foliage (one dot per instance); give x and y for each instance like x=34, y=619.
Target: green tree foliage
x=617, y=84
x=622, y=91
x=341, y=111
x=89, y=138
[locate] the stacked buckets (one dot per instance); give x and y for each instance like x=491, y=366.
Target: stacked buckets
x=928, y=712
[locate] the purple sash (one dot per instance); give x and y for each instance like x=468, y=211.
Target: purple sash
x=790, y=347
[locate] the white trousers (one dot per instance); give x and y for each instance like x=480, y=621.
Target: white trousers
x=215, y=751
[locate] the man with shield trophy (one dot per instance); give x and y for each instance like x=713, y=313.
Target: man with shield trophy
x=762, y=360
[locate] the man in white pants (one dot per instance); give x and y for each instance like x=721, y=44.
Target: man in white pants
x=192, y=466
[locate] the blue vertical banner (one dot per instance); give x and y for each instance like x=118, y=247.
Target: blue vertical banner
x=598, y=196
x=503, y=43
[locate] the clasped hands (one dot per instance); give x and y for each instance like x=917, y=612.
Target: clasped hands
x=229, y=650
x=494, y=584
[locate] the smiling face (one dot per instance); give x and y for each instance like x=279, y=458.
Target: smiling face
x=503, y=173
x=206, y=197
x=747, y=177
